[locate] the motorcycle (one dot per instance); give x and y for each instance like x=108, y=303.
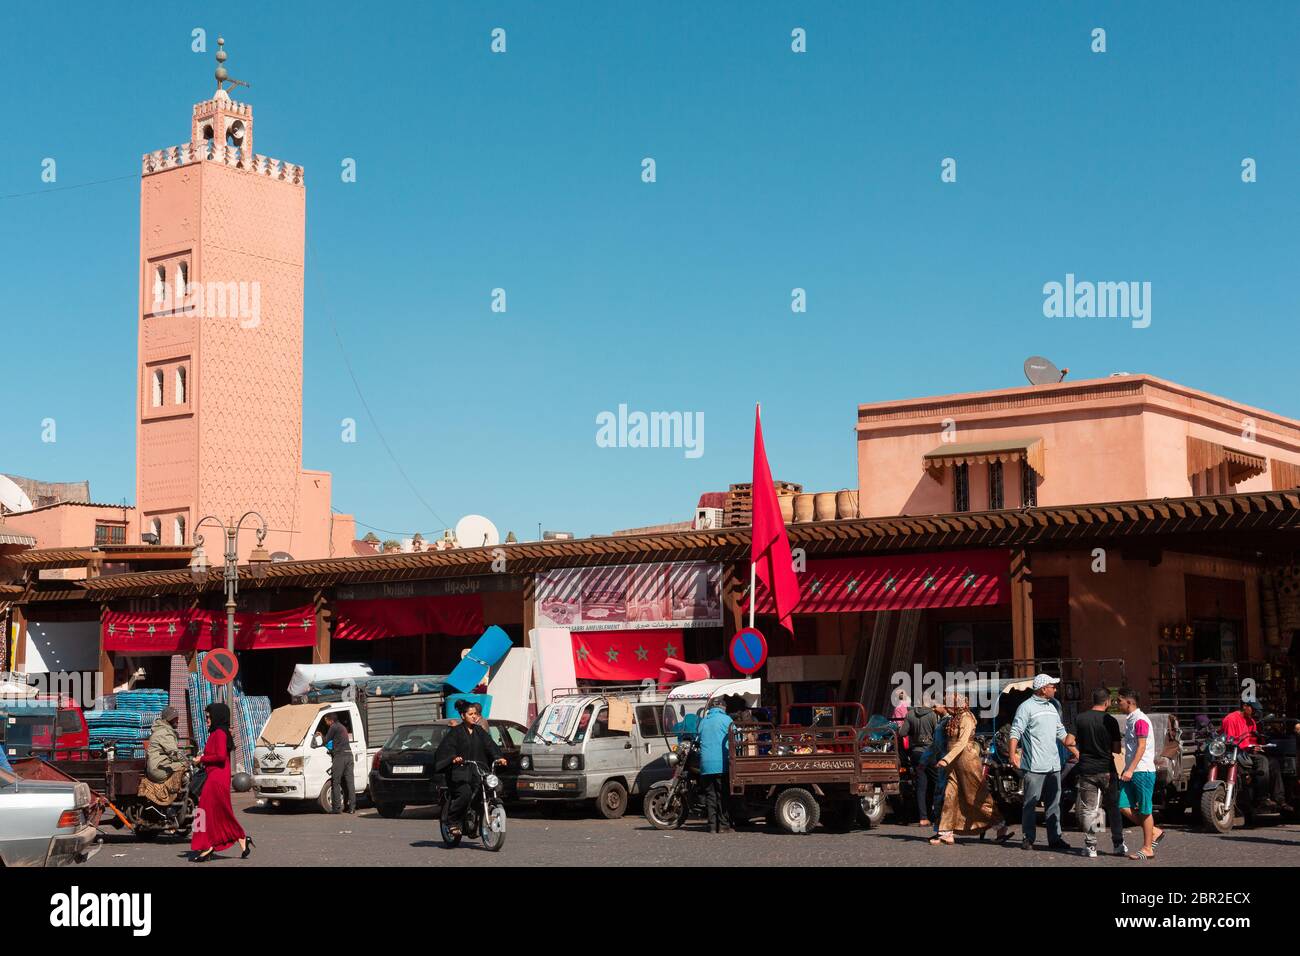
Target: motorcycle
x=669, y=802
x=485, y=817
x=1228, y=788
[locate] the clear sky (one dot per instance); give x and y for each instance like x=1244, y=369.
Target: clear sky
x=775, y=170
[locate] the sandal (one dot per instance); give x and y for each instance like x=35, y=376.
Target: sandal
x=1005, y=834
x=1141, y=855
x=940, y=841
x=1156, y=841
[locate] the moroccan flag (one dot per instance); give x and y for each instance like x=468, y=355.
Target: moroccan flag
x=627, y=656
x=770, y=548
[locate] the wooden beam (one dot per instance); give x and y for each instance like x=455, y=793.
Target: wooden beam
x=320, y=653
x=1022, y=613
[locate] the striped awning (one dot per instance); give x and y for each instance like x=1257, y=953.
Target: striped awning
x=1286, y=475
x=16, y=537
x=1204, y=455
x=1028, y=450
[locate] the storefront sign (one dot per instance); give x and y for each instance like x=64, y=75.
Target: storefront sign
x=479, y=584
x=678, y=594
x=901, y=582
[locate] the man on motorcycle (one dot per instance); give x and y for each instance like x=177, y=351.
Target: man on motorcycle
x=467, y=742
x=164, y=760
x=1268, y=788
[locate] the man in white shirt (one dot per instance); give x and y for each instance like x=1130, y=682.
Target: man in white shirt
x=1137, y=781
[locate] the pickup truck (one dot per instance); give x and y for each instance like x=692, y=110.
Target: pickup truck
x=46, y=822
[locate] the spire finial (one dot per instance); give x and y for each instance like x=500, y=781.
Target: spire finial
x=221, y=73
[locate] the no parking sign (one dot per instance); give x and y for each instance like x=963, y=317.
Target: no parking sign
x=748, y=650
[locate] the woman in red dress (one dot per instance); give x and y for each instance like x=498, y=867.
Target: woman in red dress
x=215, y=826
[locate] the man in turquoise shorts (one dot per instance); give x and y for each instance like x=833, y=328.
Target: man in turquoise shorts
x=1137, y=781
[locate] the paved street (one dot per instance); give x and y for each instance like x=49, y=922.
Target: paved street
x=308, y=838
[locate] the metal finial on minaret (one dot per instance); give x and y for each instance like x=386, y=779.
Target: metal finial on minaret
x=221, y=74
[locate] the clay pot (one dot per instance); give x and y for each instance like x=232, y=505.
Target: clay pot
x=824, y=505
x=786, y=503
x=803, y=507
x=846, y=504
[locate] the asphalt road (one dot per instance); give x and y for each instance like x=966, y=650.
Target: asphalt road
x=310, y=838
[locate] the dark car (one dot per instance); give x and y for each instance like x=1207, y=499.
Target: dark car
x=402, y=773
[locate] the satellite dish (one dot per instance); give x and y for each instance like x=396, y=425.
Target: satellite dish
x=1042, y=371
x=13, y=498
x=475, y=531
x=279, y=557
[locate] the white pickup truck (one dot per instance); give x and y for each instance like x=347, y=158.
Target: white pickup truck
x=45, y=822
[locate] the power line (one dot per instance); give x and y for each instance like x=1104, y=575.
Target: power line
x=58, y=189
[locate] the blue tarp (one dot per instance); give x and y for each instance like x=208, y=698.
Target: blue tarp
x=392, y=686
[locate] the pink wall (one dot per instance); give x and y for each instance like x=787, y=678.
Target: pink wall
x=70, y=525
x=1113, y=439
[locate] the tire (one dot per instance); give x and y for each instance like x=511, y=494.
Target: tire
x=449, y=841
x=611, y=802
x=871, y=810
x=390, y=811
x=797, y=810
x=1214, y=813
x=494, y=839
x=662, y=814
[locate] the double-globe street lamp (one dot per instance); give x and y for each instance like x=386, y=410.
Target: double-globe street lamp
x=258, y=562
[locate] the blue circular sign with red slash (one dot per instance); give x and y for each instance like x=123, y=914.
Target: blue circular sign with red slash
x=220, y=666
x=748, y=650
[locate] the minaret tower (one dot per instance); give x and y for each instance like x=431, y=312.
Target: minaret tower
x=222, y=233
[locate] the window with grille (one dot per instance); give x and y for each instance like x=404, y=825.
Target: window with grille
x=995, y=486
x=961, y=487
x=1028, y=486
x=109, y=534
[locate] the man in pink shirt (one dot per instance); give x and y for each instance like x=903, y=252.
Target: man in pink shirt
x=1267, y=785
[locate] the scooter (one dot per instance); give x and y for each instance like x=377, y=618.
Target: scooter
x=669, y=802
x=485, y=817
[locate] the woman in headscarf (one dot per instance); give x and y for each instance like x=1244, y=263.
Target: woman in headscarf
x=968, y=806
x=215, y=826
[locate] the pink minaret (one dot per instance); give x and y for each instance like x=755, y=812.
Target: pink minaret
x=222, y=234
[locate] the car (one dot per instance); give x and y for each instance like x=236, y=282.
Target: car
x=46, y=822
x=402, y=773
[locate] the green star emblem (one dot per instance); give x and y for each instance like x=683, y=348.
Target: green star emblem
x=815, y=587
x=612, y=655
x=642, y=654
x=583, y=653
x=891, y=583
x=852, y=586
x=670, y=649
x=968, y=580
x=929, y=582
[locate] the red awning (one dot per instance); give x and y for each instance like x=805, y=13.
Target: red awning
x=624, y=655
x=176, y=632
x=901, y=582
x=459, y=615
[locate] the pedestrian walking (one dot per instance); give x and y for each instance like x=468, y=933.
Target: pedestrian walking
x=1096, y=800
x=215, y=826
x=968, y=806
x=343, y=788
x=918, y=731
x=1035, y=731
x=715, y=738
x=1137, y=781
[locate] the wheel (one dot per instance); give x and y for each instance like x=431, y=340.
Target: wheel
x=324, y=799
x=390, y=811
x=612, y=800
x=664, y=810
x=1215, y=810
x=448, y=840
x=797, y=810
x=871, y=809
x=494, y=829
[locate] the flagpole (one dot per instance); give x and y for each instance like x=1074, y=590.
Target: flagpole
x=753, y=595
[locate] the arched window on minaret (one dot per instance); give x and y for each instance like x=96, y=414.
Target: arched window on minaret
x=182, y=282
x=180, y=385
x=159, y=285
x=178, y=530
x=157, y=388
x=155, y=525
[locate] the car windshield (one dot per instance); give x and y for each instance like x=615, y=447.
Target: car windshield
x=554, y=723
x=417, y=737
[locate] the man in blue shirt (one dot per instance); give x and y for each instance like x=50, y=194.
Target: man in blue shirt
x=1035, y=731
x=715, y=747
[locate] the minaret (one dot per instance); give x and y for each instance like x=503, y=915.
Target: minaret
x=222, y=233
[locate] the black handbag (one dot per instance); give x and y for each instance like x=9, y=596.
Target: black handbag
x=197, y=780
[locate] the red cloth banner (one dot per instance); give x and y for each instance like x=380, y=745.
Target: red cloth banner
x=175, y=632
x=459, y=615
x=624, y=655
x=902, y=582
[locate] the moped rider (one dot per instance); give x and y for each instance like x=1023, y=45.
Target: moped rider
x=467, y=742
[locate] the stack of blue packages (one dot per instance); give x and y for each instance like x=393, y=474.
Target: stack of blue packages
x=148, y=701
x=127, y=730
x=248, y=716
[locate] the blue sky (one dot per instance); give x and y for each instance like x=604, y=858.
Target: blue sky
x=775, y=170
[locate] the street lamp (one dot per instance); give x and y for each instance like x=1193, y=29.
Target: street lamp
x=258, y=562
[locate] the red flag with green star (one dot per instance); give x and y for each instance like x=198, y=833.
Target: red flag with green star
x=627, y=656
x=770, y=547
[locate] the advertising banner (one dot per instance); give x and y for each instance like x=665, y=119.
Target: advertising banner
x=677, y=594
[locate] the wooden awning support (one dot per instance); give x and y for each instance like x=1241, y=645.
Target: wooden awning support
x=1203, y=456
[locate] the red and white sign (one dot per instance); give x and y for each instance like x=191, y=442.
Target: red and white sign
x=677, y=594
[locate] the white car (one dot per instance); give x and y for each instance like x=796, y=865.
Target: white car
x=45, y=822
